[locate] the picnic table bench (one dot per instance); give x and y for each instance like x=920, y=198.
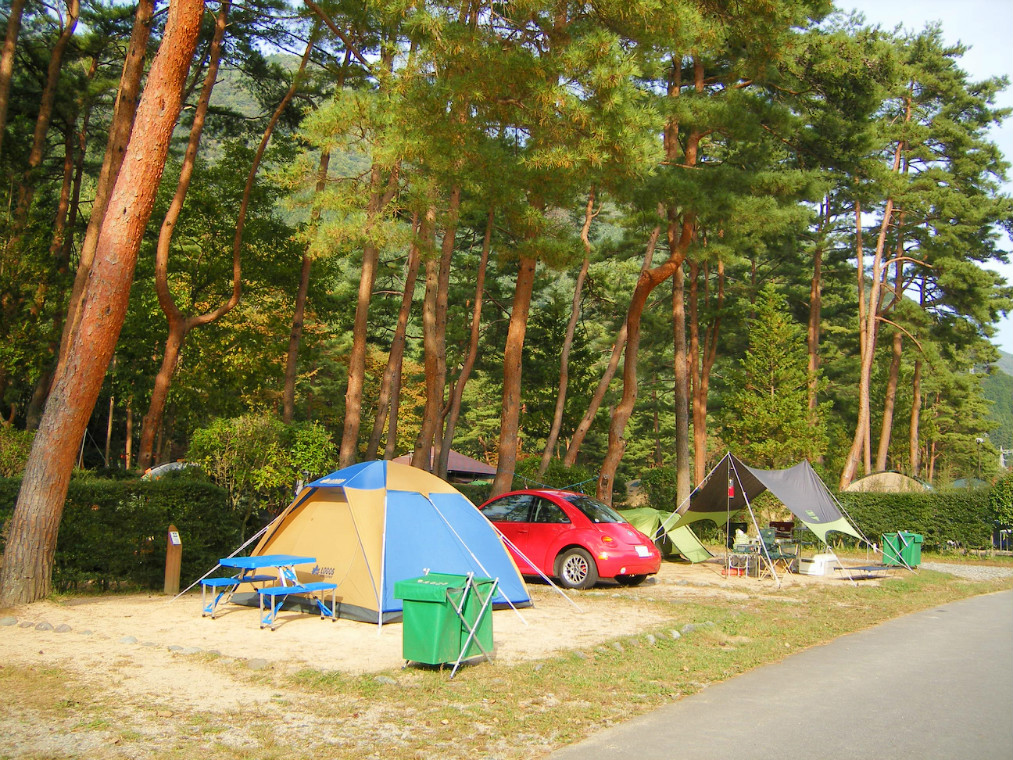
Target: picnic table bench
x=286, y=584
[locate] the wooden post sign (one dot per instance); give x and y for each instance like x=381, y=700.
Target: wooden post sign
x=173, y=557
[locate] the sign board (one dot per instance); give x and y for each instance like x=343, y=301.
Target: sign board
x=174, y=538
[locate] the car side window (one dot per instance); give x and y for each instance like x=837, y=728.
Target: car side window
x=514, y=508
x=548, y=512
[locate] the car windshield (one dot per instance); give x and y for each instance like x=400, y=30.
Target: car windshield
x=594, y=510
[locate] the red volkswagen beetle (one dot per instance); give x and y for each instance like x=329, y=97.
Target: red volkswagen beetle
x=572, y=537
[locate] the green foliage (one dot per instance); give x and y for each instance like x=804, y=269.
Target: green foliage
x=767, y=420
x=257, y=459
x=998, y=389
x=15, y=445
x=659, y=484
x=576, y=478
x=115, y=532
x=1000, y=501
x=959, y=516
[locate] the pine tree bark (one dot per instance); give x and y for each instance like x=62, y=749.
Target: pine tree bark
x=571, y=327
x=378, y=199
x=683, y=485
x=26, y=574
x=7, y=61
x=180, y=325
x=914, y=444
x=119, y=135
x=647, y=282
x=702, y=360
x=510, y=419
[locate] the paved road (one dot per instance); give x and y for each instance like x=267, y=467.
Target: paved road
x=935, y=685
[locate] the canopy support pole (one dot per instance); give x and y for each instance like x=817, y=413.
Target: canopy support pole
x=752, y=514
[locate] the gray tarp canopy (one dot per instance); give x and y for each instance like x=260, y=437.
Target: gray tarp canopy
x=732, y=485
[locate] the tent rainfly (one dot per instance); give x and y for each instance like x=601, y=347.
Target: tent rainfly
x=732, y=485
x=376, y=523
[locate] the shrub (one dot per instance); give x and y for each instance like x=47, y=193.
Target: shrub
x=958, y=516
x=15, y=446
x=259, y=459
x=1000, y=501
x=115, y=532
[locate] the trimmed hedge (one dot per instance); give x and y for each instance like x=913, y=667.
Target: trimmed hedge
x=959, y=516
x=115, y=532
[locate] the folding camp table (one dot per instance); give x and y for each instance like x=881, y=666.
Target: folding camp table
x=225, y=587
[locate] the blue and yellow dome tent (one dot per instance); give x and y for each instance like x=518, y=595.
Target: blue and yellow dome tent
x=375, y=523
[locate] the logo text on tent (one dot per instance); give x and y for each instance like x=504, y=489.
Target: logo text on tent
x=327, y=572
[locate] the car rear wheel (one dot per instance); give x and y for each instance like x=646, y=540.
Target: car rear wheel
x=575, y=568
x=630, y=580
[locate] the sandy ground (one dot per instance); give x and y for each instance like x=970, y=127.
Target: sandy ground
x=148, y=645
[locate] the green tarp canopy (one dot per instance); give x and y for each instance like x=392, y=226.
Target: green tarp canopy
x=656, y=524
x=732, y=485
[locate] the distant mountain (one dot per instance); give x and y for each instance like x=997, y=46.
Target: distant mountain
x=998, y=388
x=1005, y=362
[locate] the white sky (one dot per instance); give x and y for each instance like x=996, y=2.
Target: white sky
x=986, y=26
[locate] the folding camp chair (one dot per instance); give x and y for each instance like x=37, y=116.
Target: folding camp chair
x=777, y=552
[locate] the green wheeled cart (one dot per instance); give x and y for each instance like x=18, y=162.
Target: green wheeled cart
x=447, y=618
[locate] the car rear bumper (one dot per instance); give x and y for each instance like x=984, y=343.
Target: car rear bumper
x=623, y=563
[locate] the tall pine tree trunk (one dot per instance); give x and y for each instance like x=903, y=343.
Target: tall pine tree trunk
x=702, y=358
x=573, y=449
x=510, y=419
x=457, y=393
x=869, y=328
x=397, y=346
x=916, y=407
x=299, y=314
x=571, y=327
x=31, y=540
x=422, y=456
x=7, y=61
x=683, y=485
x=119, y=134
x=152, y=422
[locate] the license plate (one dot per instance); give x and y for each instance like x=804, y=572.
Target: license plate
x=642, y=551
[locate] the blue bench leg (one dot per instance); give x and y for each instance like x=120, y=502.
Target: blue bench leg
x=211, y=607
x=269, y=618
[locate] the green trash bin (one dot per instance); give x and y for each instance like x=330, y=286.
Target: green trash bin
x=433, y=632
x=891, y=549
x=911, y=547
x=902, y=548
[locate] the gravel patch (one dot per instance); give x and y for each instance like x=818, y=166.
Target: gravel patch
x=971, y=572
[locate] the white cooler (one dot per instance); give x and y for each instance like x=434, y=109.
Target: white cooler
x=820, y=564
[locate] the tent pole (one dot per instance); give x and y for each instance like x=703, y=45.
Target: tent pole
x=752, y=514
x=477, y=560
x=544, y=577
x=261, y=532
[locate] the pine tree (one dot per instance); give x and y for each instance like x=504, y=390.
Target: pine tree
x=767, y=421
